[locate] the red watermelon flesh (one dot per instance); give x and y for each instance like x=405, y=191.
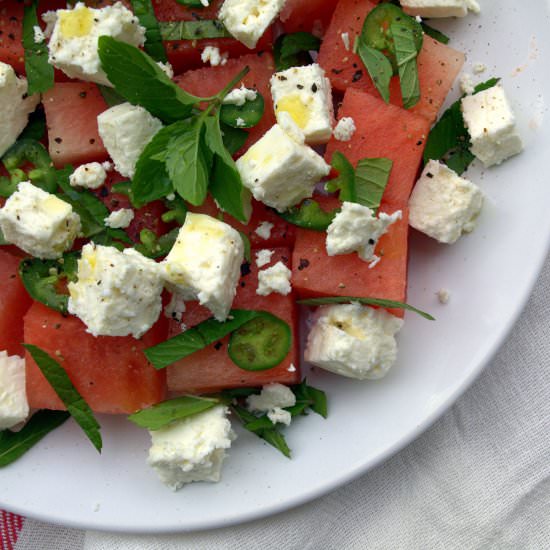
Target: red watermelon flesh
x=111, y=373
x=307, y=16
x=211, y=369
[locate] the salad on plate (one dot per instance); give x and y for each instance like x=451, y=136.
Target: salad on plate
x=185, y=181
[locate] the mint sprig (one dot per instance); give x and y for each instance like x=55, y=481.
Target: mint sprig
x=144, y=11
x=406, y=53
x=193, y=30
x=292, y=50
x=379, y=68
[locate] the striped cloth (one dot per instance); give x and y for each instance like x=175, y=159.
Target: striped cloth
x=10, y=527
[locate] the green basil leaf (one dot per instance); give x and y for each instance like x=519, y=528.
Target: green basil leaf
x=76, y=406
x=378, y=67
x=162, y=414
x=110, y=95
x=434, y=33
x=193, y=30
x=197, y=338
x=15, y=444
x=41, y=279
x=345, y=181
x=137, y=77
x=36, y=127
x=381, y=302
x=309, y=215
x=226, y=184
x=292, y=50
x=144, y=11
x=406, y=53
x=314, y=398
x=243, y=116
x=40, y=74
x=371, y=178
x=233, y=138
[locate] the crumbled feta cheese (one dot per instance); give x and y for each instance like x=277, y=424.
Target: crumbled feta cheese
x=247, y=20
x=274, y=279
x=355, y=229
x=263, y=257
x=264, y=230
x=291, y=368
x=345, y=129
x=117, y=293
x=467, y=84
x=353, y=340
x=280, y=171
x=205, y=3
x=192, y=449
x=305, y=94
x=443, y=295
x=14, y=407
x=49, y=17
x=89, y=176
x=120, y=219
x=440, y=8
x=125, y=130
x=443, y=205
x=38, y=35
x=15, y=106
x=107, y=166
x=205, y=263
x=491, y=125
x=241, y=123
x=272, y=400
x=38, y=222
x=345, y=40
x=73, y=44
x=479, y=68
x=166, y=68
x=175, y=307
x=239, y=96
x=212, y=55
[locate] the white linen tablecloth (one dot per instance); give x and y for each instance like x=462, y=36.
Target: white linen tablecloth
x=478, y=479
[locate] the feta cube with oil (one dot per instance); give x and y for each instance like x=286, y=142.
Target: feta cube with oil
x=280, y=170
x=353, y=340
x=38, y=222
x=74, y=40
x=116, y=293
x=443, y=205
x=15, y=106
x=191, y=449
x=491, y=124
x=205, y=263
x=440, y=8
x=14, y=407
x=247, y=20
x=305, y=94
x=126, y=130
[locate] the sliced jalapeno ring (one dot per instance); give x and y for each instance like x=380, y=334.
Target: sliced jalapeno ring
x=243, y=116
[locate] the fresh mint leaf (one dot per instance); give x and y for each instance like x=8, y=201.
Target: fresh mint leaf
x=344, y=183
x=247, y=115
x=309, y=215
x=292, y=50
x=381, y=302
x=36, y=127
x=156, y=247
x=162, y=414
x=406, y=56
x=137, y=78
x=110, y=96
x=42, y=279
x=379, y=68
x=76, y=406
x=193, y=30
x=371, y=178
x=311, y=397
x=197, y=338
x=434, y=33
x=144, y=11
x=15, y=444
x=3, y=241
x=40, y=74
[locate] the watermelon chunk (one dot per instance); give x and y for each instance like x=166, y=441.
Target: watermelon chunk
x=111, y=373
x=307, y=15
x=71, y=116
x=438, y=64
x=211, y=369
x=14, y=303
x=211, y=80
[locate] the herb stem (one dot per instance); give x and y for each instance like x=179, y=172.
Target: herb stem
x=219, y=96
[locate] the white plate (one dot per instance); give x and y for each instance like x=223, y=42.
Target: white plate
x=489, y=273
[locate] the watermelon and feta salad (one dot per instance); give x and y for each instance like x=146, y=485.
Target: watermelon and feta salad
x=182, y=180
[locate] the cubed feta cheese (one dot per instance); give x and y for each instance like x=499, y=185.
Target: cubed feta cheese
x=345, y=129
x=274, y=279
x=89, y=176
x=280, y=171
x=353, y=340
x=38, y=222
x=205, y=263
x=247, y=20
x=443, y=205
x=212, y=55
x=355, y=229
x=15, y=106
x=120, y=219
x=192, y=449
x=305, y=94
x=239, y=96
x=272, y=400
x=125, y=130
x=440, y=8
x=73, y=44
x=117, y=293
x=491, y=125
x=14, y=407
x=263, y=257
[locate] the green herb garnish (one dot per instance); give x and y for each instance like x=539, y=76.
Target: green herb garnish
x=309, y=215
x=193, y=30
x=434, y=33
x=144, y=11
x=243, y=116
x=110, y=96
x=156, y=247
x=405, y=54
x=292, y=50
